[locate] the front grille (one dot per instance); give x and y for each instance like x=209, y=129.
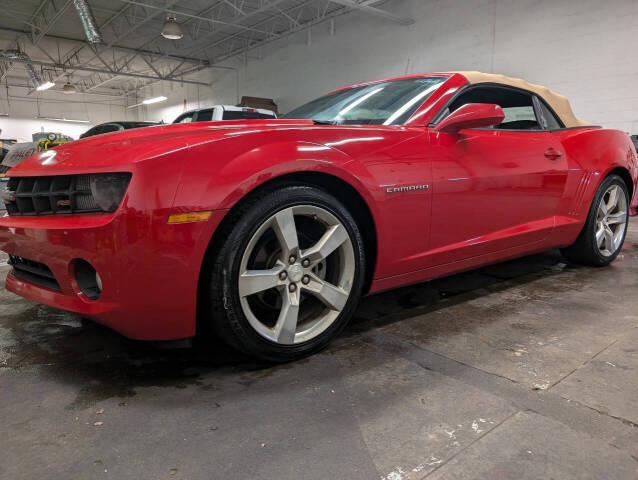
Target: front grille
x=33, y=272
x=50, y=195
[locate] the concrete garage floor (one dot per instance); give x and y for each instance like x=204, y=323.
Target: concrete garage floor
x=527, y=369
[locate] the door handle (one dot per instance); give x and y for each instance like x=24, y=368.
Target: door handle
x=552, y=154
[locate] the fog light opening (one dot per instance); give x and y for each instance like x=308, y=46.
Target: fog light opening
x=88, y=279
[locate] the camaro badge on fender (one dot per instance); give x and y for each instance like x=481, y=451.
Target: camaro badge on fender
x=406, y=188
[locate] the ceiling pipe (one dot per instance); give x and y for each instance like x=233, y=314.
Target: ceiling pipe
x=11, y=56
x=91, y=29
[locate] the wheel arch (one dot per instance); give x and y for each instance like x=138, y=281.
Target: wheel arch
x=332, y=184
x=623, y=173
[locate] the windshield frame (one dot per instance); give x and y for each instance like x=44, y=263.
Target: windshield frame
x=354, y=95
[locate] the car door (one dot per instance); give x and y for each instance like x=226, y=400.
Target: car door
x=494, y=188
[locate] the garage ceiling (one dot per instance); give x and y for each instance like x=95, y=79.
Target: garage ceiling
x=132, y=53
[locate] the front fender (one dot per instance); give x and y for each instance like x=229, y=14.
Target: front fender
x=210, y=184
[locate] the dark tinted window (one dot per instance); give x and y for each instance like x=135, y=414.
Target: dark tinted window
x=137, y=125
x=185, y=118
x=237, y=115
x=517, y=106
x=205, y=115
x=90, y=132
x=111, y=127
x=551, y=122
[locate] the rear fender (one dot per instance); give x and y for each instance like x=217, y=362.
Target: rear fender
x=593, y=153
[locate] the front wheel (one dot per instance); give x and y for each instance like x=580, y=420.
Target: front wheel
x=604, y=232
x=288, y=275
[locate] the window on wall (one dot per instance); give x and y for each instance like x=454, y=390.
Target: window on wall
x=517, y=106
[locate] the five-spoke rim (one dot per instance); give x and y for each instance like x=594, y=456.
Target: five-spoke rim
x=296, y=274
x=611, y=220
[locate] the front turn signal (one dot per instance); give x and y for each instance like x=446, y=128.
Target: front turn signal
x=189, y=217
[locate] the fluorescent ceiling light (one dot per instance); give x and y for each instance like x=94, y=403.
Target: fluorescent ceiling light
x=148, y=101
x=45, y=86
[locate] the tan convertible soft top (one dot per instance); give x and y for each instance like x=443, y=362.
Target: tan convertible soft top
x=558, y=102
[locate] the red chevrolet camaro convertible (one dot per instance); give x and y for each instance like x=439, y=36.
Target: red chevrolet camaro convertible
x=268, y=232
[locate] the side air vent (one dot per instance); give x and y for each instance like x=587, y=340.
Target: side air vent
x=33, y=272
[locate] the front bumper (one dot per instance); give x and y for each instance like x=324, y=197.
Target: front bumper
x=149, y=269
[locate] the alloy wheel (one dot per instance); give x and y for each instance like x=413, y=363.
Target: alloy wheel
x=296, y=274
x=611, y=220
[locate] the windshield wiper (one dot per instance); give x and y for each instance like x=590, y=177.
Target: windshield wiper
x=325, y=122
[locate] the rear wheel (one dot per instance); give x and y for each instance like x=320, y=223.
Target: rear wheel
x=288, y=275
x=604, y=232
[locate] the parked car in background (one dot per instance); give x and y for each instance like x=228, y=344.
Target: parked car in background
x=224, y=112
x=115, y=127
x=268, y=232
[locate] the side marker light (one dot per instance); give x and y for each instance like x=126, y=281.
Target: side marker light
x=189, y=217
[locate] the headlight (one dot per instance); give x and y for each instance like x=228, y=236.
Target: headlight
x=108, y=189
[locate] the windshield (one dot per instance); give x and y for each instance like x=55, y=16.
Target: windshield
x=384, y=103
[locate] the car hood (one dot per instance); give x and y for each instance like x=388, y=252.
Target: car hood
x=118, y=150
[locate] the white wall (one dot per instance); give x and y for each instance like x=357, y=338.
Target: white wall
x=24, y=112
x=22, y=128
x=583, y=49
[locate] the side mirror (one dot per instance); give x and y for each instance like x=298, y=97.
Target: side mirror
x=471, y=115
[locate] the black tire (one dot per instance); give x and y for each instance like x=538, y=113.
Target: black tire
x=585, y=250
x=221, y=306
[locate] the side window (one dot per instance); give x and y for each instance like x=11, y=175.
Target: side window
x=205, y=115
x=240, y=115
x=517, y=106
x=551, y=122
x=111, y=127
x=185, y=118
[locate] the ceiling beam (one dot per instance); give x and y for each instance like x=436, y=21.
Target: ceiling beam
x=197, y=61
x=110, y=72
x=264, y=8
x=189, y=15
x=365, y=7
x=45, y=17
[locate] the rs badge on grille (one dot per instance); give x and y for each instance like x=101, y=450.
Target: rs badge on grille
x=63, y=203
